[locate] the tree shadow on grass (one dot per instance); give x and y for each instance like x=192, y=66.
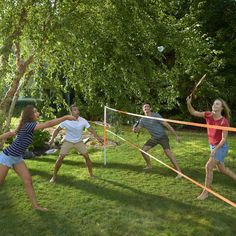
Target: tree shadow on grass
x=80, y=162
x=90, y=185
x=127, y=195
x=54, y=224
x=197, y=174
x=17, y=220
x=135, y=199
x=160, y=170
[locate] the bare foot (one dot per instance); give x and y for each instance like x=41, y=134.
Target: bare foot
x=93, y=176
x=38, y=208
x=52, y=180
x=178, y=176
x=203, y=195
x=147, y=168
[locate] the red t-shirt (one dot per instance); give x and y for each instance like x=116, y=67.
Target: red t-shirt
x=214, y=135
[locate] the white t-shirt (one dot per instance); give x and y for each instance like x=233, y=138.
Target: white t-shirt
x=74, y=129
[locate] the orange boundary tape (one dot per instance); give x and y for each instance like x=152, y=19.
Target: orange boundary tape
x=233, y=204
x=177, y=121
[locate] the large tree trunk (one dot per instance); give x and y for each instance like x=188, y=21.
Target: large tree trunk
x=5, y=52
x=22, y=67
x=6, y=49
x=14, y=100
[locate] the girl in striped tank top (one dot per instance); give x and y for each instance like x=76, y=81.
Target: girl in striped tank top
x=11, y=157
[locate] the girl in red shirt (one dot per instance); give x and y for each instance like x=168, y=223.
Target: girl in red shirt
x=219, y=116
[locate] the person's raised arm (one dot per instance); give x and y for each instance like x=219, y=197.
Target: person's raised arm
x=7, y=135
x=54, y=135
x=192, y=110
x=53, y=122
x=91, y=130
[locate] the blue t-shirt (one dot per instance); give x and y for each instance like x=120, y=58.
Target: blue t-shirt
x=154, y=127
x=23, y=140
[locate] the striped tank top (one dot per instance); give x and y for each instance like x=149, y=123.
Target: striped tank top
x=22, y=141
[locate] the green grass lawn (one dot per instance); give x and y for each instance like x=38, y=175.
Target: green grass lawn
x=123, y=200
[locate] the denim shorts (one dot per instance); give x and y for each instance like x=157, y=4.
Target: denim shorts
x=220, y=153
x=9, y=161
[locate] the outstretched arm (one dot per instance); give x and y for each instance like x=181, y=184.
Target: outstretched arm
x=7, y=135
x=192, y=110
x=54, y=135
x=171, y=129
x=53, y=122
x=91, y=130
x=136, y=127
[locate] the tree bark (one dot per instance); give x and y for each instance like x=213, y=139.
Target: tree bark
x=22, y=67
x=14, y=100
x=5, y=51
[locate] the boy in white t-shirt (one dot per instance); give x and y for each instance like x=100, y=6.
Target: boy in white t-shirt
x=73, y=139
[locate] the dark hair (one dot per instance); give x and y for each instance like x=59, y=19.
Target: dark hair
x=27, y=115
x=146, y=103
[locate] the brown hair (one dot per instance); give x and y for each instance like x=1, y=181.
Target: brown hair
x=226, y=111
x=72, y=106
x=27, y=115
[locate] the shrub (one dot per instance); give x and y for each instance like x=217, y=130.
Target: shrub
x=40, y=137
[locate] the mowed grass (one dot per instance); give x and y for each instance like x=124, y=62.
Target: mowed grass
x=123, y=200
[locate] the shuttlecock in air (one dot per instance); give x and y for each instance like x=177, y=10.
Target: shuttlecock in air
x=160, y=48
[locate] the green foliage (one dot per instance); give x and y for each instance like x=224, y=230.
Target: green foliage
x=217, y=21
x=40, y=137
x=106, y=52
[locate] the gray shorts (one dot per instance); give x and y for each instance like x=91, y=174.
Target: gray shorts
x=163, y=141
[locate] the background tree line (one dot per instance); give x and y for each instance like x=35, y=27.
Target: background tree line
x=106, y=52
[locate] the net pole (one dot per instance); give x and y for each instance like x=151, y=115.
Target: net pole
x=105, y=136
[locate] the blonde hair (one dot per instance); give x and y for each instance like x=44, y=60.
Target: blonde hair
x=27, y=115
x=226, y=111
